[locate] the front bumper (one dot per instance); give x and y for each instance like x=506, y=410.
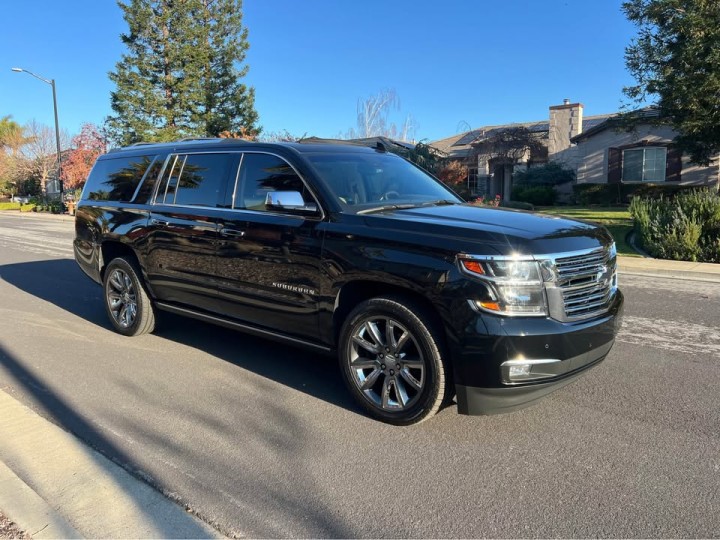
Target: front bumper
x=488, y=343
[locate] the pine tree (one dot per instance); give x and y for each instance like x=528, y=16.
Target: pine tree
x=675, y=60
x=181, y=75
x=228, y=105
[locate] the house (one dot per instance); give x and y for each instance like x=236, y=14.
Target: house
x=597, y=148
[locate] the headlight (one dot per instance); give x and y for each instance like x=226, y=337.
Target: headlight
x=514, y=286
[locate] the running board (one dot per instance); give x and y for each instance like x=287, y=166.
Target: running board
x=268, y=334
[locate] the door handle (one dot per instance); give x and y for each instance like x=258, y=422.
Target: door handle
x=159, y=222
x=231, y=233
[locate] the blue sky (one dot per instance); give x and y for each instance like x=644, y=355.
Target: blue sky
x=453, y=64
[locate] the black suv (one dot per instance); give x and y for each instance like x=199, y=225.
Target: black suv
x=357, y=252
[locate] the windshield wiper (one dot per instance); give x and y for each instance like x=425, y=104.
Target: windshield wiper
x=386, y=207
x=405, y=206
x=439, y=202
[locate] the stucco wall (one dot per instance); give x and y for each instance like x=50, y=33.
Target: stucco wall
x=589, y=158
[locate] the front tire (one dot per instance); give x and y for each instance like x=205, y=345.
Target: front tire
x=128, y=306
x=390, y=357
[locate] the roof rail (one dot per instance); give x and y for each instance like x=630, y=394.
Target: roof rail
x=182, y=140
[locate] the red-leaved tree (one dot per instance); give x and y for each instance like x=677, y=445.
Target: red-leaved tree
x=87, y=146
x=453, y=174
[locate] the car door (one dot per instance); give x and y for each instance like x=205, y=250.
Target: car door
x=269, y=259
x=181, y=244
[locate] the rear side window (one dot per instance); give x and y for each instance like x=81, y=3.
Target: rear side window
x=147, y=187
x=116, y=179
x=195, y=179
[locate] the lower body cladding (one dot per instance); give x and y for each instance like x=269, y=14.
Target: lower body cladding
x=506, y=364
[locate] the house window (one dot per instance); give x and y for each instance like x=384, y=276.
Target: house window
x=645, y=164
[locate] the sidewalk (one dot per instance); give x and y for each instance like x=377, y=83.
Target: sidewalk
x=41, y=215
x=53, y=486
x=646, y=266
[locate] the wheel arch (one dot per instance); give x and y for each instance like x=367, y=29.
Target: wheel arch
x=354, y=292
x=112, y=249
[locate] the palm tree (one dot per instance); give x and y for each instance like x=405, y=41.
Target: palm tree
x=12, y=135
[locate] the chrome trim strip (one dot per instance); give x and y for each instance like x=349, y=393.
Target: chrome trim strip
x=237, y=179
x=539, y=258
x=142, y=180
x=553, y=368
x=524, y=361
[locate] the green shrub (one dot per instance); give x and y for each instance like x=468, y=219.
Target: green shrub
x=10, y=206
x=685, y=227
x=535, y=194
x=607, y=194
x=547, y=174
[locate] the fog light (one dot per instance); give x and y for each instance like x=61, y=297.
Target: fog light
x=520, y=371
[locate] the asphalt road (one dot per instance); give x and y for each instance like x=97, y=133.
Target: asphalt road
x=262, y=440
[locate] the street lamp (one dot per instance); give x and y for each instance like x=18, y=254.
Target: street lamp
x=51, y=82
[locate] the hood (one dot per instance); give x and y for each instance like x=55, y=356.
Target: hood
x=483, y=230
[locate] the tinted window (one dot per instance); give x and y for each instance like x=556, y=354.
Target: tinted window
x=195, y=179
x=116, y=179
x=263, y=173
x=361, y=180
x=148, y=184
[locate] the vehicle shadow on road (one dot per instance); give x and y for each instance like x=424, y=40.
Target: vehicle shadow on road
x=60, y=282
x=63, y=284
x=274, y=428
x=315, y=374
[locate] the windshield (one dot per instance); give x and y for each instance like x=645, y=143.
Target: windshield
x=363, y=181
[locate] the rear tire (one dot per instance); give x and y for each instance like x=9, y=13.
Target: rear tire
x=391, y=359
x=128, y=305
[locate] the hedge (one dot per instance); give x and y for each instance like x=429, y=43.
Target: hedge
x=535, y=194
x=686, y=227
x=9, y=206
x=607, y=194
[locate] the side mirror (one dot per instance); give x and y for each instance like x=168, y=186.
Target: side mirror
x=289, y=200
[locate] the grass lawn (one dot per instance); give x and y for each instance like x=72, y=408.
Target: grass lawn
x=617, y=221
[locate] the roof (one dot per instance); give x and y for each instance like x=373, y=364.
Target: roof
x=614, y=121
x=459, y=145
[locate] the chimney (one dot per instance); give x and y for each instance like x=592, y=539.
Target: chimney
x=565, y=123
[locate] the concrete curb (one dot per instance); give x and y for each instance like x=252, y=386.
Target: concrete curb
x=54, y=486
x=30, y=511
x=646, y=266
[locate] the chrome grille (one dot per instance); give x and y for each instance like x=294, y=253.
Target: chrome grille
x=588, y=282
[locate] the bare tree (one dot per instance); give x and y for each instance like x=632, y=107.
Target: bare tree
x=373, y=118
x=280, y=136
x=40, y=152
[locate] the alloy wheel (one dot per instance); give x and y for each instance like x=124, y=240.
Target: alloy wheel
x=122, y=298
x=386, y=363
